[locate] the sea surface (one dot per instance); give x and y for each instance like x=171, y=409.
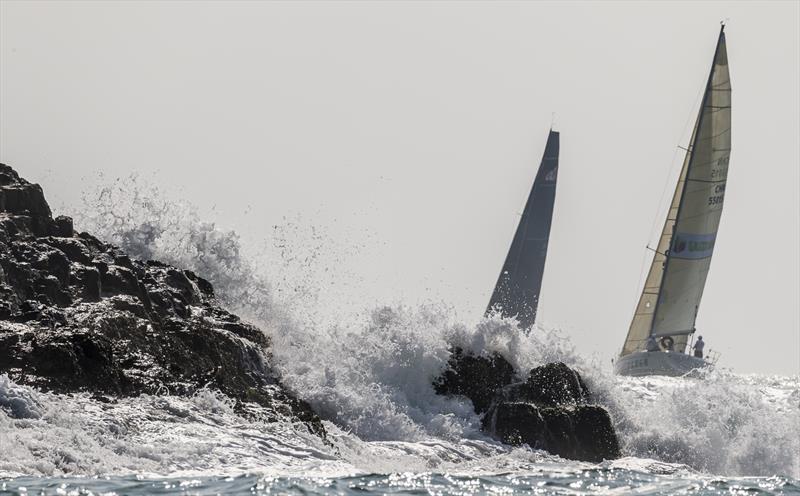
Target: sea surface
x=369, y=377
x=74, y=444
x=596, y=481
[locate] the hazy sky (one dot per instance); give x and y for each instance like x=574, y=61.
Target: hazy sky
x=414, y=130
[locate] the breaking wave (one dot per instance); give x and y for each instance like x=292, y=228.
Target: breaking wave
x=369, y=375
x=48, y=434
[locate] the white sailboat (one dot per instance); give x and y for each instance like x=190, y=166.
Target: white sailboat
x=670, y=299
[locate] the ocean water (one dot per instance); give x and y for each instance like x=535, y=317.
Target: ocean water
x=368, y=374
x=73, y=444
x=595, y=481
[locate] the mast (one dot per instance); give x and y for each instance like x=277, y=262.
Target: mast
x=674, y=287
x=516, y=293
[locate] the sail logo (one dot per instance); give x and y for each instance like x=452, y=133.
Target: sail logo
x=550, y=177
x=693, y=246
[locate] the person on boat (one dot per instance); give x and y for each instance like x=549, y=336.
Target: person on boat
x=652, y=345
x=698, y=347
x=667, y=343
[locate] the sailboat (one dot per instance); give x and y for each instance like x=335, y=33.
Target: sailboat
x=669, y=303
x=516, y=293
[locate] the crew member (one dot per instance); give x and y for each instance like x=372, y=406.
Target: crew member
x=652, y=345
x=698, y=347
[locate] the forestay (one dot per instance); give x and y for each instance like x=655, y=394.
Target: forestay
x=516, y=293
x=674, y=285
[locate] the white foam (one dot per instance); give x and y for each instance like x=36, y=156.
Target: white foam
x=722, y=423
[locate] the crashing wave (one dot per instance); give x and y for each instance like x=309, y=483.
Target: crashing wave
x=371, y=373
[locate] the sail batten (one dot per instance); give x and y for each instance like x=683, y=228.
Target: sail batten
x=516, y=293
x=681, y=262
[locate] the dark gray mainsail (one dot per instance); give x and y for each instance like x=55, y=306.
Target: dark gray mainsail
x=516, y=293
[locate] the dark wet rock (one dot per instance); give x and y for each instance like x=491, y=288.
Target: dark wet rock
x=595, y=433
x=62, y=227
x=73, y=248
x=24, y=204
x=85, y=283
x=117, y=280
x=551, y=384
x=478, y=378
x=549, y=410
x=20, y=197
x=77, y=314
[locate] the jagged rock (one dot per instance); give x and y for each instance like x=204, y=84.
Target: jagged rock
x=73, y=248
x=29, y=211
x=85, y=283
x=582, y=432
x=549, y=410
x=476, y=377
x=595, y=433
x=77, y=314
x=62, y=227
x=552, y=384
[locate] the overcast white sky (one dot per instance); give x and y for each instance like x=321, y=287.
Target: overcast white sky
x=419, y=127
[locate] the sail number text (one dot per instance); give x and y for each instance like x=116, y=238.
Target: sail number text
x=719, y=195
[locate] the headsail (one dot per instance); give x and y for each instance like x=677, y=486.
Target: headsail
x=674, y=286
x=516, y=293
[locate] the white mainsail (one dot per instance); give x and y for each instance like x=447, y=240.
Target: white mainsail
x=674, y=285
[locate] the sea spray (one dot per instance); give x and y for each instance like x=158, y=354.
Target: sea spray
x=146, y=223
x=718, y=423
x=370, y=371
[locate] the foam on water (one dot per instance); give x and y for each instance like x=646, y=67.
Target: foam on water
x=369, y=375
x=79, y=435
x=721, y=423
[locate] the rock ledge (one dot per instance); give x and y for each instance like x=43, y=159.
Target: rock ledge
x=77, y=314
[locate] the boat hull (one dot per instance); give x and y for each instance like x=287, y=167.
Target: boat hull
x=643, y=363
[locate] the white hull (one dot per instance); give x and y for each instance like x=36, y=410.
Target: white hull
x=658, y=363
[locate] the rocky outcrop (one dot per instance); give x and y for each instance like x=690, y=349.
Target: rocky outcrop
x=549, y=410
x=77, y=314
x=476, y=377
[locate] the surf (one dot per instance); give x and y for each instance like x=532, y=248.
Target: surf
x=369, y=375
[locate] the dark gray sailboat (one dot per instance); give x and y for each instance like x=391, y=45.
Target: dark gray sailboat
x=516, y=293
